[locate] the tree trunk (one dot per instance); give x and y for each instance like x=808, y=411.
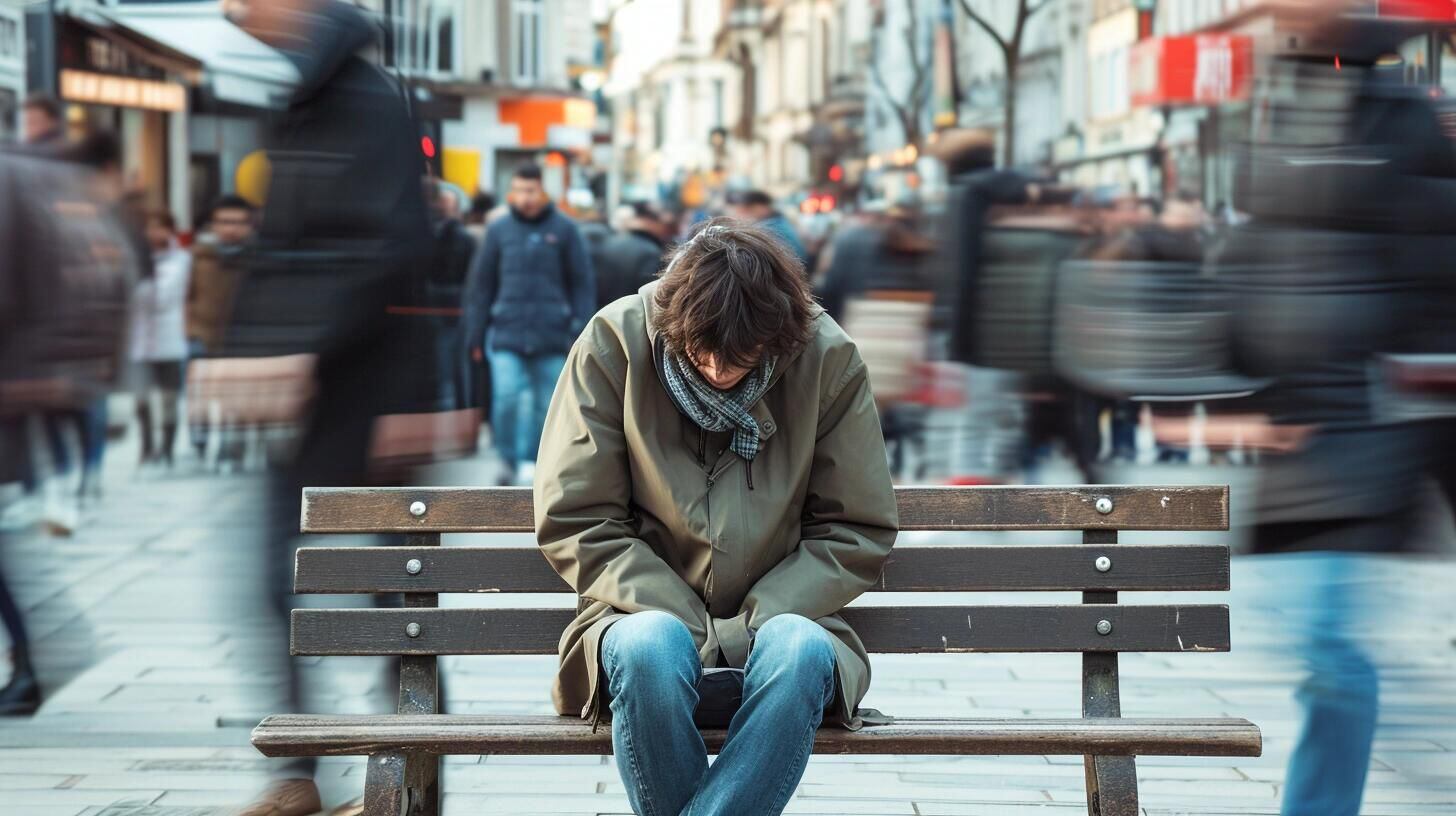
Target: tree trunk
x=1008, y=128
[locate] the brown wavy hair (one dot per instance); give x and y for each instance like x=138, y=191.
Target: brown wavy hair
x=737, y=293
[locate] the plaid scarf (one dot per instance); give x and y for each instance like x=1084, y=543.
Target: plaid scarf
x=715, y=410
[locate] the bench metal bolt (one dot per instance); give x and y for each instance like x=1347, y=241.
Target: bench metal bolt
x=1104, y=627
x=417, y=509
x=413, y=629
x=413, y=566
x=1104, y=505
x=1103, y=563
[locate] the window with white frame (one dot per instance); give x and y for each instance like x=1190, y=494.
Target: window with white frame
x=527, y=39
x=423, y=36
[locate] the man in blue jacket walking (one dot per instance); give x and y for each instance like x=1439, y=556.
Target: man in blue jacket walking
x=530, y=292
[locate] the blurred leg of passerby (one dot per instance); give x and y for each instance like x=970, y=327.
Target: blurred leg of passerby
x=93, y=449
x=21, y=695
x=509, y=382
x=62, y=508
x=1340, y=696
x=516, y=430
x=164, y=383
x=197, y=426
x=544, y=371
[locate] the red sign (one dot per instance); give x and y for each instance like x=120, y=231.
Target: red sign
x=1192, y=70
x=1439, y=10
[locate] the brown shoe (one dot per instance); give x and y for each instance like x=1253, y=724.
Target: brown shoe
x=286, y=797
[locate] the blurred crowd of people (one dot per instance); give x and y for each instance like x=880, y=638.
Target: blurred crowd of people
x=1292, y=329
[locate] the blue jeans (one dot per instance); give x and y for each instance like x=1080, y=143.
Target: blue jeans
x=653, y=674
x=514, y=379
x=1332, y=755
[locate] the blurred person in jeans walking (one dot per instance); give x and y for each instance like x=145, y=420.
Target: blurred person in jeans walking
x=1344, y=212
x=530, y=292
x=159, y=337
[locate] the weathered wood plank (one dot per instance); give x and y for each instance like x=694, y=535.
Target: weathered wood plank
x=509, y=509
x=902, y=629
x=313, y=735
x=987, y=568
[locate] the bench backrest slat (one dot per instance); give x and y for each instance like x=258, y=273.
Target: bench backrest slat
x=987, y=568
x=899, y=629
x=509, y=510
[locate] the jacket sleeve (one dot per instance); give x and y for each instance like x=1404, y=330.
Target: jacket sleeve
x=583, y=493
x=480, y=288
x=583, y=280
x=850, y=522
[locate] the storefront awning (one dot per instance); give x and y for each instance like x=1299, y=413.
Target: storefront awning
x=236, y=67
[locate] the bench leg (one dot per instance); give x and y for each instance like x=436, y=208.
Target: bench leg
x=1111, y=780
x=1111, y=785
x=402, y=784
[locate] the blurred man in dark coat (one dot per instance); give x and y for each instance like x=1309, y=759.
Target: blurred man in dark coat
x=344, y=226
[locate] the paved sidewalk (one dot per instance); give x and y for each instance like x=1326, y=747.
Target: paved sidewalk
x=159, y=659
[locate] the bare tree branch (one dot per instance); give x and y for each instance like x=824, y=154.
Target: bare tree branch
x=900, y=112
x=921, y=70
x=986, y=26
x=1031, y=12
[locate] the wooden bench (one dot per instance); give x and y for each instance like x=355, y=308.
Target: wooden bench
x=404, y=748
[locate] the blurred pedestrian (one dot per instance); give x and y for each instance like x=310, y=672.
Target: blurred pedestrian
x=1342, y=211
x=880, y=286
x=632, y=256
x=64, y=281
x=159, y=338
x=219, y=260
x=531, y=291
x=344, y=229
x=43, y=122
x=481, y=206
x=723, y=386
x=452, y=248
x=757, y=207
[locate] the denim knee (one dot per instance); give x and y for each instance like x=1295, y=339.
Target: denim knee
x=796, y=646
x=647, y=650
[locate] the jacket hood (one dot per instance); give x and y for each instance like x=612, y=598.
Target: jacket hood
x=328, y=38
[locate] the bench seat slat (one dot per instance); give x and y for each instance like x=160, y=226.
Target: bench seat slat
x=346, y=735
x=900, y=629
x=989, y=568
x=1016, y=507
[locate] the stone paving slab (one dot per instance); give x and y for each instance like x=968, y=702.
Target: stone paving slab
x=160, y=656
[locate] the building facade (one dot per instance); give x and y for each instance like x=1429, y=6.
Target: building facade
x=497, y=85
x=12, y=67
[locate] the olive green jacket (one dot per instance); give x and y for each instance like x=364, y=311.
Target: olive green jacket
x=638, y=509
